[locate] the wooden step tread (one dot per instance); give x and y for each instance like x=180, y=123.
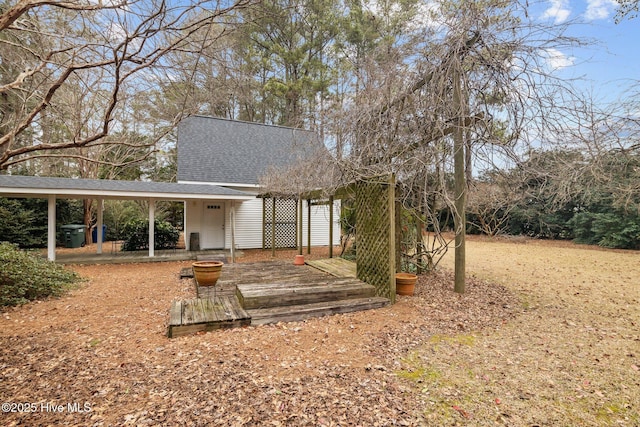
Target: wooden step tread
x=305, y=311
x=286, y=286
x=255, y=296
x=204, y=314
x=339, y=267
x=186, y=273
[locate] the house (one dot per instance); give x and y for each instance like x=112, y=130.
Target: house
x=219, y=165
x=234, y=155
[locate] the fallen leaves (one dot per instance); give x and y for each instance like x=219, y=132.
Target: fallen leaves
x=461, y=411
x=488, y=356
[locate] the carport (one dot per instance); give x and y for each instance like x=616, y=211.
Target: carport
x=68, y=188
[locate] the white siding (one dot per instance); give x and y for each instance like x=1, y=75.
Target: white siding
x=320, y=224
x=193, y=219
x=248, y=225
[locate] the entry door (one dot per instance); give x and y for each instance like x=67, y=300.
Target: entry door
x=212, y=236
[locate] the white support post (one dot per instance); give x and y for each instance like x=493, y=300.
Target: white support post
x=330, y=226
x=300, y=216
x=51, y=228
x=152, y=219
x=233, y=231
x=308, y=226
x=99, y=236
x=185, y=226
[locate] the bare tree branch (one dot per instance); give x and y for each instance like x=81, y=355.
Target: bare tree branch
x=12, y=14
x=125, y=54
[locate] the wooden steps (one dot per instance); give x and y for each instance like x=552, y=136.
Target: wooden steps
x=271, y=292
x=308, y=293
x=268, y=295
x=339, y=267
x=186, y=273
x=205, y=314
x=294, y=313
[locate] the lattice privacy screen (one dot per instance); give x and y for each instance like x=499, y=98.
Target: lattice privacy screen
x=285, y=223
x=375, y=234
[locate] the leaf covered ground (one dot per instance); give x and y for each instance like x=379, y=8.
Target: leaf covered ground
x=546, y=334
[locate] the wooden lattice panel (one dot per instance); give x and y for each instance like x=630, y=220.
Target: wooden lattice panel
x=285, y=223
x=375, y=234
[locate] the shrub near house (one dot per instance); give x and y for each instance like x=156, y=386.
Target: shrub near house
x=26, y=276
x=136, y=234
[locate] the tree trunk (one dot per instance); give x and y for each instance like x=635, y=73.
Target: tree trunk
x=460, y=186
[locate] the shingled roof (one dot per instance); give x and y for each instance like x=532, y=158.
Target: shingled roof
x=225, y=151
x=38, y=186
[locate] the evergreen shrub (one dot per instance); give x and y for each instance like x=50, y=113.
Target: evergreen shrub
x=27, y=276
x=136, y=235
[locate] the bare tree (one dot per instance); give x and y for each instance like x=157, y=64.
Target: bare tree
x=491, y=202
x=605, y=141
x=628, y=9
x=473, y=82
x=113, y=49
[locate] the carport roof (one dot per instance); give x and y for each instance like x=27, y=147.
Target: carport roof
x=36, y=186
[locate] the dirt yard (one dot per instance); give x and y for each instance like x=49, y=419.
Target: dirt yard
x=547, y=334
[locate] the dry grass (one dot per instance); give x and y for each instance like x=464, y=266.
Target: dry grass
x=570, y=358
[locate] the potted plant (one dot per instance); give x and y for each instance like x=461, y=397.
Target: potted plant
x=405, y=283
x=207, y=273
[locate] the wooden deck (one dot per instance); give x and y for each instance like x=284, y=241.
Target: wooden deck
x=206, y=314
x=269, y=292
x=339, y=267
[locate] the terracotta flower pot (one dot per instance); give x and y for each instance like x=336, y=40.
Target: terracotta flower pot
x=298, y=260
x=207, y=273
x=405, y=283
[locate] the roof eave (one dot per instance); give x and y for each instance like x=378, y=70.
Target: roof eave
x=107, y=194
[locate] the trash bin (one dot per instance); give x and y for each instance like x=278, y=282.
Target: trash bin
x=194, y=241
x=73, y=235
x=94, y=233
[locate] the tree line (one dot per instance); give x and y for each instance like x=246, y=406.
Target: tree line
x=562, y=194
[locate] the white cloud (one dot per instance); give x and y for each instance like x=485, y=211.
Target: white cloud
x=558, y=10
x=599, y=9
x=427, y=15
x=558, y=60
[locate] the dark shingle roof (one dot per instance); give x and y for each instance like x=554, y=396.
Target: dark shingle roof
x=12, y=184
x=233, y=152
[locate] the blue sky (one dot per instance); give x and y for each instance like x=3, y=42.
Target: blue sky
x=610, y=65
